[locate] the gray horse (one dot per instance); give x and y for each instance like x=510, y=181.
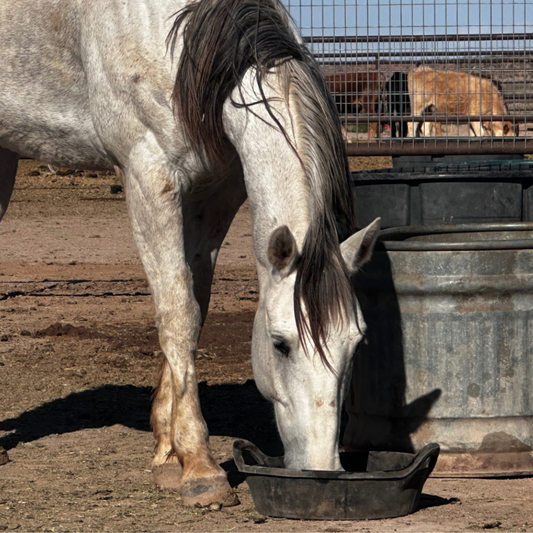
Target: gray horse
x=196, y=107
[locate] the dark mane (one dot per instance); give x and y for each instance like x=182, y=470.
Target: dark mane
x=222, y=39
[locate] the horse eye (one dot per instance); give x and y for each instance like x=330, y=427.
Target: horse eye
x=282, y=347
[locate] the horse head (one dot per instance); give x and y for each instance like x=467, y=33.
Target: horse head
x=306, y=390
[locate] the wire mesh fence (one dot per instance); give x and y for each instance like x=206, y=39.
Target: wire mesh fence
x=426, y=76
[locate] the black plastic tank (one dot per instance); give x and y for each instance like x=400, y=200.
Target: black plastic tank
x=446, y=190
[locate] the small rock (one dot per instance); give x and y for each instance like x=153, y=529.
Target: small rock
x=492, y=525
x=4, y=458
x=4, y=338
x=34, y=173
x=92, y=175
x=115, y=189
x=25, y=333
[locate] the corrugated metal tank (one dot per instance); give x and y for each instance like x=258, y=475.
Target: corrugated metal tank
x=448, y=355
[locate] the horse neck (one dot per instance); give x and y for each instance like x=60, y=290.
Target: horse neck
x=278, y=189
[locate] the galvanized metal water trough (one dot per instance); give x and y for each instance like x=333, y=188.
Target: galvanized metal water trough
x=448, y=356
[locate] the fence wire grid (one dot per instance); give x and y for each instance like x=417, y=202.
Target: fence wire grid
x=426, y=77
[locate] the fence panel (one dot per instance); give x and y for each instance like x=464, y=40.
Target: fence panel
x=426, y=76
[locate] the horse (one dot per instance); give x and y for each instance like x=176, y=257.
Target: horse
x=397, y=103
x=357, y=92
x=197, y=106
x=459, y=93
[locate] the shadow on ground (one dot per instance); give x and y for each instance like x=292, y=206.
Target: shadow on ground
x=233, y=410
x=429, y=500
x=230, y=410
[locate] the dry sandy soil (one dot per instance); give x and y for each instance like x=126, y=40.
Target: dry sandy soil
x=78, y=358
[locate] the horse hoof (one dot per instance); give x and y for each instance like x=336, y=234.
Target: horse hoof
x=168, y=475
x=202, y=492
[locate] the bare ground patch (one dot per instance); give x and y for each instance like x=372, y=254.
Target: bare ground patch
x=78, y=359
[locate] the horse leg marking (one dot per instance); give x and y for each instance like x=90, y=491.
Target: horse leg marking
x=161, y=419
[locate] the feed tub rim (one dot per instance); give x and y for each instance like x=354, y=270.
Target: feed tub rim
x=429, y=451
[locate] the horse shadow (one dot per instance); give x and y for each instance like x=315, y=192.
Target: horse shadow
x=236, y=410
x=380, y=416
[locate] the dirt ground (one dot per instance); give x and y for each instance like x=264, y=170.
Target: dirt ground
x=78, y=359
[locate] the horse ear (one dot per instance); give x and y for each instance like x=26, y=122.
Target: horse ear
x=357, y=249
x=282, y=251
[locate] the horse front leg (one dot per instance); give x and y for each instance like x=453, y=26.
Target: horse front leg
x=476, y=128
x=159, y=219
x=8, y=171
x=373, y=129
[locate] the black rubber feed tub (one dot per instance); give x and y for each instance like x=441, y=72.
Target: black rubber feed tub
x=374, y=484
